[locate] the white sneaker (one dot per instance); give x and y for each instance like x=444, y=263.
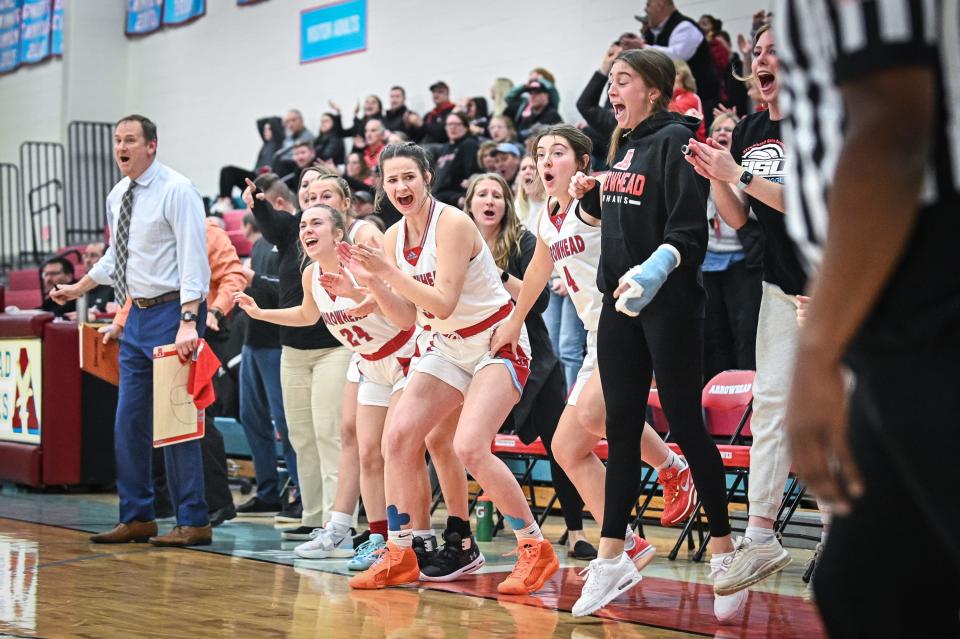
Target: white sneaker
x=726, y=607
x=752, y=562
x=327, y=543
x=606, y=580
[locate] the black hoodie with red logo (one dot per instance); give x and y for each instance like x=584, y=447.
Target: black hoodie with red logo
x=652, y=196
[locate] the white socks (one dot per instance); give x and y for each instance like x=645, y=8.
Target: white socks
x=341, y=522
x=673, y=460
x=629, y=541
x=529, y=532
x=401, y=538
x=760, y=535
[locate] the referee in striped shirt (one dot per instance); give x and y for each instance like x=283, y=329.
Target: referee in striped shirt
x=873, y=118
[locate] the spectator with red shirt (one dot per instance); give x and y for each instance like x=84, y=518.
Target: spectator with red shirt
x=430, y=129
x=685, y=100
x=375, y=136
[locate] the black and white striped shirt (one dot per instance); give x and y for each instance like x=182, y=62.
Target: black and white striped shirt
x=823, y=44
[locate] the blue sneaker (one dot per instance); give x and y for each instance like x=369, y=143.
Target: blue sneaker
x=366, y=553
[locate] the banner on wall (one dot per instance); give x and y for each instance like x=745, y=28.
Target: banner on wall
x=56, y=29
x=182, y=11
x=9, y=35
x=35, y=17
x=144, y=16
x=20, y=387
x=332, y=30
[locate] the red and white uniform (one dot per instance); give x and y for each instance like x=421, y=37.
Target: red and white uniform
x=575, y=251
x=354, y=228
x=353, y=370
x=384, y=350
x=460, y=344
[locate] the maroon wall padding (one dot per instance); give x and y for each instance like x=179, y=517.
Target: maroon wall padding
x=20, y=463
x=14, y=326
x=62, y=418
x=3, y=302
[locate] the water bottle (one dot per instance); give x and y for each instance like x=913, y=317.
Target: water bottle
x=484, y=527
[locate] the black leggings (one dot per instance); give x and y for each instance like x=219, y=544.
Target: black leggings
x=234, y=176
x=730, y=328
x=629, y=349
x=571, y=504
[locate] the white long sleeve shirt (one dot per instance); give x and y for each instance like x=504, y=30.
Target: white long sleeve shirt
x=684, y=40
x=167, y=248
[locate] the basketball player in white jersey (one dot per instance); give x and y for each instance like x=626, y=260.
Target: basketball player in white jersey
x=436, y=270
x=355, y=475
x=384, y=353
x=572, y=248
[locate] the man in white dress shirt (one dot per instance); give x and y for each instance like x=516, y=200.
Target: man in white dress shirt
x=158, y=259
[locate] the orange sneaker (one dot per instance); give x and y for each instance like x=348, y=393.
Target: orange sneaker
x=395, y=566
x=536, y=562
x=679, y=495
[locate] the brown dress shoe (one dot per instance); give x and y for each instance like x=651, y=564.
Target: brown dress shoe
x=185, y=536
x=131, y=531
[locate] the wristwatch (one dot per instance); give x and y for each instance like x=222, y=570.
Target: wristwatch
x=745, y=179
x=504, y=277
x=217, y=313
x=188, y=316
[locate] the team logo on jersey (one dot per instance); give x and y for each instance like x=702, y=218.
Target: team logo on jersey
x=625, y=162
x=765, y=159
x=413, y=255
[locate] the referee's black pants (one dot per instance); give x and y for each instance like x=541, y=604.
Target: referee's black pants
x=891, y=568
x=629, y=349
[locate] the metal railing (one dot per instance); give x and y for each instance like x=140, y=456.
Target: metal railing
x=11, y=213
x=42, y=175
x=92, y=173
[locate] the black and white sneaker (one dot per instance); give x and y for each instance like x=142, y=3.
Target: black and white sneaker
x=458, y=557
x=256, y=507
x=425, y=549
x=362, y=538
x=292, y=513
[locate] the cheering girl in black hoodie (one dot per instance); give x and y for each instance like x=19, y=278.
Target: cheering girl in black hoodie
x=654, y=236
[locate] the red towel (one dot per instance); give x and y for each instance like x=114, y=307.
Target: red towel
x=200, y=383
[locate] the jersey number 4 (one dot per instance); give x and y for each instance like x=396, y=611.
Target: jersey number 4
x=354, y=336
x=571, y=284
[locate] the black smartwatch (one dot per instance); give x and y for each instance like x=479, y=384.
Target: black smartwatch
x=745, y=179
x=188, y=316
x=504, y=276
x=217, y=313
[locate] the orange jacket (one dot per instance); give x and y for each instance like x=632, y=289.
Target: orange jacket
x=226, y=273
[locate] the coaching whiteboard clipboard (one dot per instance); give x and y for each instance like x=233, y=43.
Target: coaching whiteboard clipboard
x=175, y=417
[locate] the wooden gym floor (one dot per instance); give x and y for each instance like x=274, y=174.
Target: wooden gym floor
x=55, y=583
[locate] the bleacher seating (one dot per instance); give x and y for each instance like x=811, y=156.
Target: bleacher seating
x=233, y=220
x=24, y=289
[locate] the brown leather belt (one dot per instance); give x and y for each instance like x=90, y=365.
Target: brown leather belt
x=147, y=302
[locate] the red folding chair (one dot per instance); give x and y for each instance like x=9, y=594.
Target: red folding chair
x=728, y=404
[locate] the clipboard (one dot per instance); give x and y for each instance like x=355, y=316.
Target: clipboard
x=176, y=418
x=97, y=358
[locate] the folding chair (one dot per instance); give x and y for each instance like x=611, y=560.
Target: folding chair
x=727, y=402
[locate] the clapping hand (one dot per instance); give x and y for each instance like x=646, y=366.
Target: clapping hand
x=713, y=161
x=340, y=285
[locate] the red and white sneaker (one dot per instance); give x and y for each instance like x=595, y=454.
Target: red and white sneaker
x=679, y=495
x=642, y=552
